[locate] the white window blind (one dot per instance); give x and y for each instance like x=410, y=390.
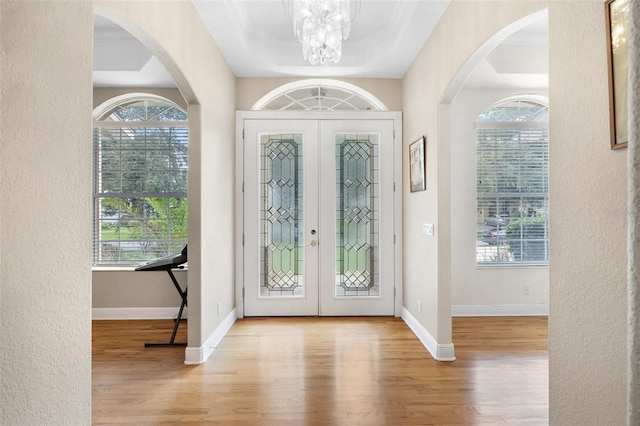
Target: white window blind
x=512, y=192
x=140, y=184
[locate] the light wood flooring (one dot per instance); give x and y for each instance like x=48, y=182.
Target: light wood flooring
x=323, y=371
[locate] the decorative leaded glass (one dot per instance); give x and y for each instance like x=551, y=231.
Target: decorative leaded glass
x=281, y=252
x=145, y=110
x=320, y=98
x=515, y=111
x=357, y=215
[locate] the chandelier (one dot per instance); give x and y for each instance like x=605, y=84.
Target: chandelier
x=321, y=25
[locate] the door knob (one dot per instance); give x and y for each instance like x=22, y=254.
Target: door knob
x=313, y=243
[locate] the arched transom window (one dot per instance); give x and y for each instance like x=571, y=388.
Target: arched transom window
x=319, y=95
x=512, y=182
x=140, y=180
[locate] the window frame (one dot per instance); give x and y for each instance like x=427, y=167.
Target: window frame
x=528, y=218
x=103, y=121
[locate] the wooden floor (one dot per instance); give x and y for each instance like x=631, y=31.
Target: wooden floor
x=323, y=371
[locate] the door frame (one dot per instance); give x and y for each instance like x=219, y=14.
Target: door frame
x=241, y=116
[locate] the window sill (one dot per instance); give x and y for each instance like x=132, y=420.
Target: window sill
x=512, y=266
x=125, y=268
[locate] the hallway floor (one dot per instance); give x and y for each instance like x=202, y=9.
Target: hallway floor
x=323, y=371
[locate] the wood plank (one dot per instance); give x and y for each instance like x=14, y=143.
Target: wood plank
x=323, y=371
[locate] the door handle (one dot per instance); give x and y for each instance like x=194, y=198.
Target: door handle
x=313, y=243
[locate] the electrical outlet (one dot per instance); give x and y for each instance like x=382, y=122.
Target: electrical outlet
x=219, y=307
x=427, y=228
x=525, y=290
x=419, y=305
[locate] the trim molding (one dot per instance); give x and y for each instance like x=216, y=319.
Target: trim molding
x=499, y=310
x=194, y=355
x=439, y=351
x=136, y=313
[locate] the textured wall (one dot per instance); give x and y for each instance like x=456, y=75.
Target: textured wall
x=45, y=214
x=634, y=222
x=587, y=322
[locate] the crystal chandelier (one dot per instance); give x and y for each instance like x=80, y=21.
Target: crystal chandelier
x=321, y=25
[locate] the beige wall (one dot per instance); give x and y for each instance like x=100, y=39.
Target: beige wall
x=429, y=86
x=208, y=86
x=587, y=324
x=250, y=90
x=117, y=289
x=45, y=305
x=45, y=214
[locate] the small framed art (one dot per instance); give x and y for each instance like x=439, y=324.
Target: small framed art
x=417, y=161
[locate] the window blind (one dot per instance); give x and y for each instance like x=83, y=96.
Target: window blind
x=140, y=192
x=512, y=193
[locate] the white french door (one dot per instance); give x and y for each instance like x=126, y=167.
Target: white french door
x=318, y=217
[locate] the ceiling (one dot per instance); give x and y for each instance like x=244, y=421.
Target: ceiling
x=256, y=37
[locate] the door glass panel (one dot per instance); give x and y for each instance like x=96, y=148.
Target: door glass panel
x=357, y=195
x=281, y=239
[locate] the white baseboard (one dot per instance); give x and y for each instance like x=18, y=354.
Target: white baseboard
x=136, y=313
x=194, y=355
x=440, y=352
x=499, y=310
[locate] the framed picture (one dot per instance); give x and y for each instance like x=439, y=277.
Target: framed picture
x=617, y=19
x=417, y=160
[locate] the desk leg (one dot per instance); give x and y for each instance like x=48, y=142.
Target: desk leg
x=183, y=295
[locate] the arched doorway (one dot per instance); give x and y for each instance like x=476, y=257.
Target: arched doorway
x=477, y=289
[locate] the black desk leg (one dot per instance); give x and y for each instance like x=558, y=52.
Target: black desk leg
x=183, y=295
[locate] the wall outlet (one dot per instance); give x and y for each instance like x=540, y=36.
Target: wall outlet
x=525, y=290
x=419, y=305
x=219, y=307
x=427, y=228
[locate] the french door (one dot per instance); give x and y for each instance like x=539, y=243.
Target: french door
x=318, y=217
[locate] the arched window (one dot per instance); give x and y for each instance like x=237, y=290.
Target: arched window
x=140, y=179
x=512, y=181
x=319, y=95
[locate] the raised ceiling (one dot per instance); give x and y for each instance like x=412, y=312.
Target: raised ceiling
x=257, y=40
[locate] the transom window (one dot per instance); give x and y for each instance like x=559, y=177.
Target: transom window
x=140, y=181
x=319, y=95
x=512, y=147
